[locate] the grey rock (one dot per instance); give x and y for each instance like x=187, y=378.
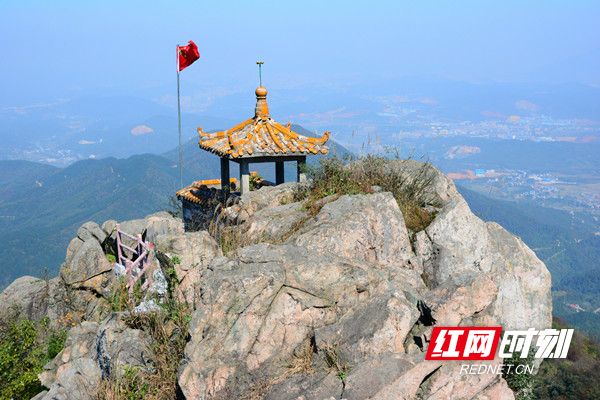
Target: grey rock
x=118, y=269
x=349, y=282
x=268, y=196
x=194, y=251
x=93, y=353
x=273, y=223
x=109, y=226
x=25, y=296
x=321, y=385
x=33, y=298
x=159, y=284
x=260, y=306
x=88, y=262
x=91, y=231
x=147, y=306
x=366, y=227
x=79, y=381
x=72, y=249
x=40, y=395
x=79, y=344
x=160, y=224
x=123, y=346
x=483, y=262
x=438, y=188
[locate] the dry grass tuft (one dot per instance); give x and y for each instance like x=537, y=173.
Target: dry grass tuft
x=360, y=176
x=302, y=362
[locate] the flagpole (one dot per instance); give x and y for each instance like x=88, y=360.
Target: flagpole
x=179, y=121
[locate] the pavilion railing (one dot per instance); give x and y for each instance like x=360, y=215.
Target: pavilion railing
x=135, y=269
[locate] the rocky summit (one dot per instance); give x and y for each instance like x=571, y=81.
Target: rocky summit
x=289, y=301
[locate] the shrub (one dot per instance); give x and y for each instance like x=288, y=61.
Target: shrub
x=334, y=177
x=25, y=347
x=520, y=383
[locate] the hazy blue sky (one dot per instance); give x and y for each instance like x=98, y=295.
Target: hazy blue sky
x=65, y=49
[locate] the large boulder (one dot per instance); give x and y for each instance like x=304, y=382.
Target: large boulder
x=88, y=261
x=34, y=299
x=93, y=353
x=365, y=227
x=189, y=253
x=464, y=256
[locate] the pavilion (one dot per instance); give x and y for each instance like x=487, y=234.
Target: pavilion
x=258, y=140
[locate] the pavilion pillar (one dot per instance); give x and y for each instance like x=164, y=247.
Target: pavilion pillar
x=225, y=185
x=244, y=176
x=279, y=172
x=300, y=170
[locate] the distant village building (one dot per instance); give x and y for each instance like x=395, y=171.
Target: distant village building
x=259, y=139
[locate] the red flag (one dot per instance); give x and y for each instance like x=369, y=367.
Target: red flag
x=186, y=55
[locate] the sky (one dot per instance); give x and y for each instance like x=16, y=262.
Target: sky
x=65, y=49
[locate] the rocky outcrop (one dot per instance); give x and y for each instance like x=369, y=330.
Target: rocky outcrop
x=337, y=300
x=351, y=283
x=100, y=343
x=85, y=278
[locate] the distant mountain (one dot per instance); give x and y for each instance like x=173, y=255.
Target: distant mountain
x=19, y=175
x=46, y=205
x=41, y=206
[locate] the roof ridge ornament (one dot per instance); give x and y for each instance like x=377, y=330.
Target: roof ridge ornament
x=262, y=109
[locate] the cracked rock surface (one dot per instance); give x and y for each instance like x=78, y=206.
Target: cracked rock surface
x=336, y=303
x=351, y=286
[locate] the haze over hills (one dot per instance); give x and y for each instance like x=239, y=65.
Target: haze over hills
x=64, y=131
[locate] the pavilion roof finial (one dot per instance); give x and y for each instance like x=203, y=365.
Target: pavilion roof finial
x=260, y=64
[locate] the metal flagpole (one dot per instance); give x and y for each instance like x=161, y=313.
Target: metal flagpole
x=179, y=120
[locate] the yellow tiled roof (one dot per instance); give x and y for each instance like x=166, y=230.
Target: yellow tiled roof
x=198, y=192
x=261, y=136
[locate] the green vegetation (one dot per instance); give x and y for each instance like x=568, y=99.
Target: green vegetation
x=25, y=347
x=255, y=182
x=168, y=329
x=335, y=177
x=576, y=377
x=520, y=383
x=336, y=362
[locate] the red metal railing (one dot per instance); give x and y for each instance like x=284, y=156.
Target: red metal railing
x=141, y=254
